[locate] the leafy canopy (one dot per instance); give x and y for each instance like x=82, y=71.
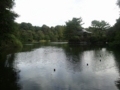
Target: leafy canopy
x=72, y=28
x=7, y=17
x=102, y=25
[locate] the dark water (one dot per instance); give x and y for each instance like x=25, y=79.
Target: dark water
x=59, y=66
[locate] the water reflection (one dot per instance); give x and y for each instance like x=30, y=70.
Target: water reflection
x=8, y=75
x=117, y=58
x=34, y=67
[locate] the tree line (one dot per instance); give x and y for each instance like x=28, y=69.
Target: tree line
x=30, y=33
x=95, y=34
x=14, y=34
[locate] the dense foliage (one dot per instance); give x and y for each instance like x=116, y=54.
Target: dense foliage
x=29, y=33
x=113, y=34
x=7, y=24
x=73, y=28
x=99, y=31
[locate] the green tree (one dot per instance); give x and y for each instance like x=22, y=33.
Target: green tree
x=113, y=34
x=59, y=32
x=45, y=29
x=99, y=30
x=26, y=26
x=73, y=27
x=102, y=25
x=41, y=35
x=7, y=24
x=7, y=17
x=99, y=27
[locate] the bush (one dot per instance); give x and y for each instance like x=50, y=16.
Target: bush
x=9, y=40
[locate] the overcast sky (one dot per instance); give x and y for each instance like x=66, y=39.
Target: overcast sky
x=57, y=12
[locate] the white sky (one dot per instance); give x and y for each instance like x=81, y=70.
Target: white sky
x=57, y=12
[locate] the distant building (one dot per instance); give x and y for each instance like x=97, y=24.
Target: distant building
x=84, y=33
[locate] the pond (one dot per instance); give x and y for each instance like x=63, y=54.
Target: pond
x=59, y=66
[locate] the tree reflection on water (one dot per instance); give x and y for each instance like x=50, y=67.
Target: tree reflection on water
x=8, y=75
x=117, y=58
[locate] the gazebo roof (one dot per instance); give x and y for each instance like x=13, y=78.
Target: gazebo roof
x=83, y=30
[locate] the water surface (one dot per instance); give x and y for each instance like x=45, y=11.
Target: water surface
x=59, y=66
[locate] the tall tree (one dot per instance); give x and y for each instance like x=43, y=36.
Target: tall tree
x=102, y=25
x=7, y=17
x=72, y=29
x=113, y=35
x=99, y=27
x=7, y=24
